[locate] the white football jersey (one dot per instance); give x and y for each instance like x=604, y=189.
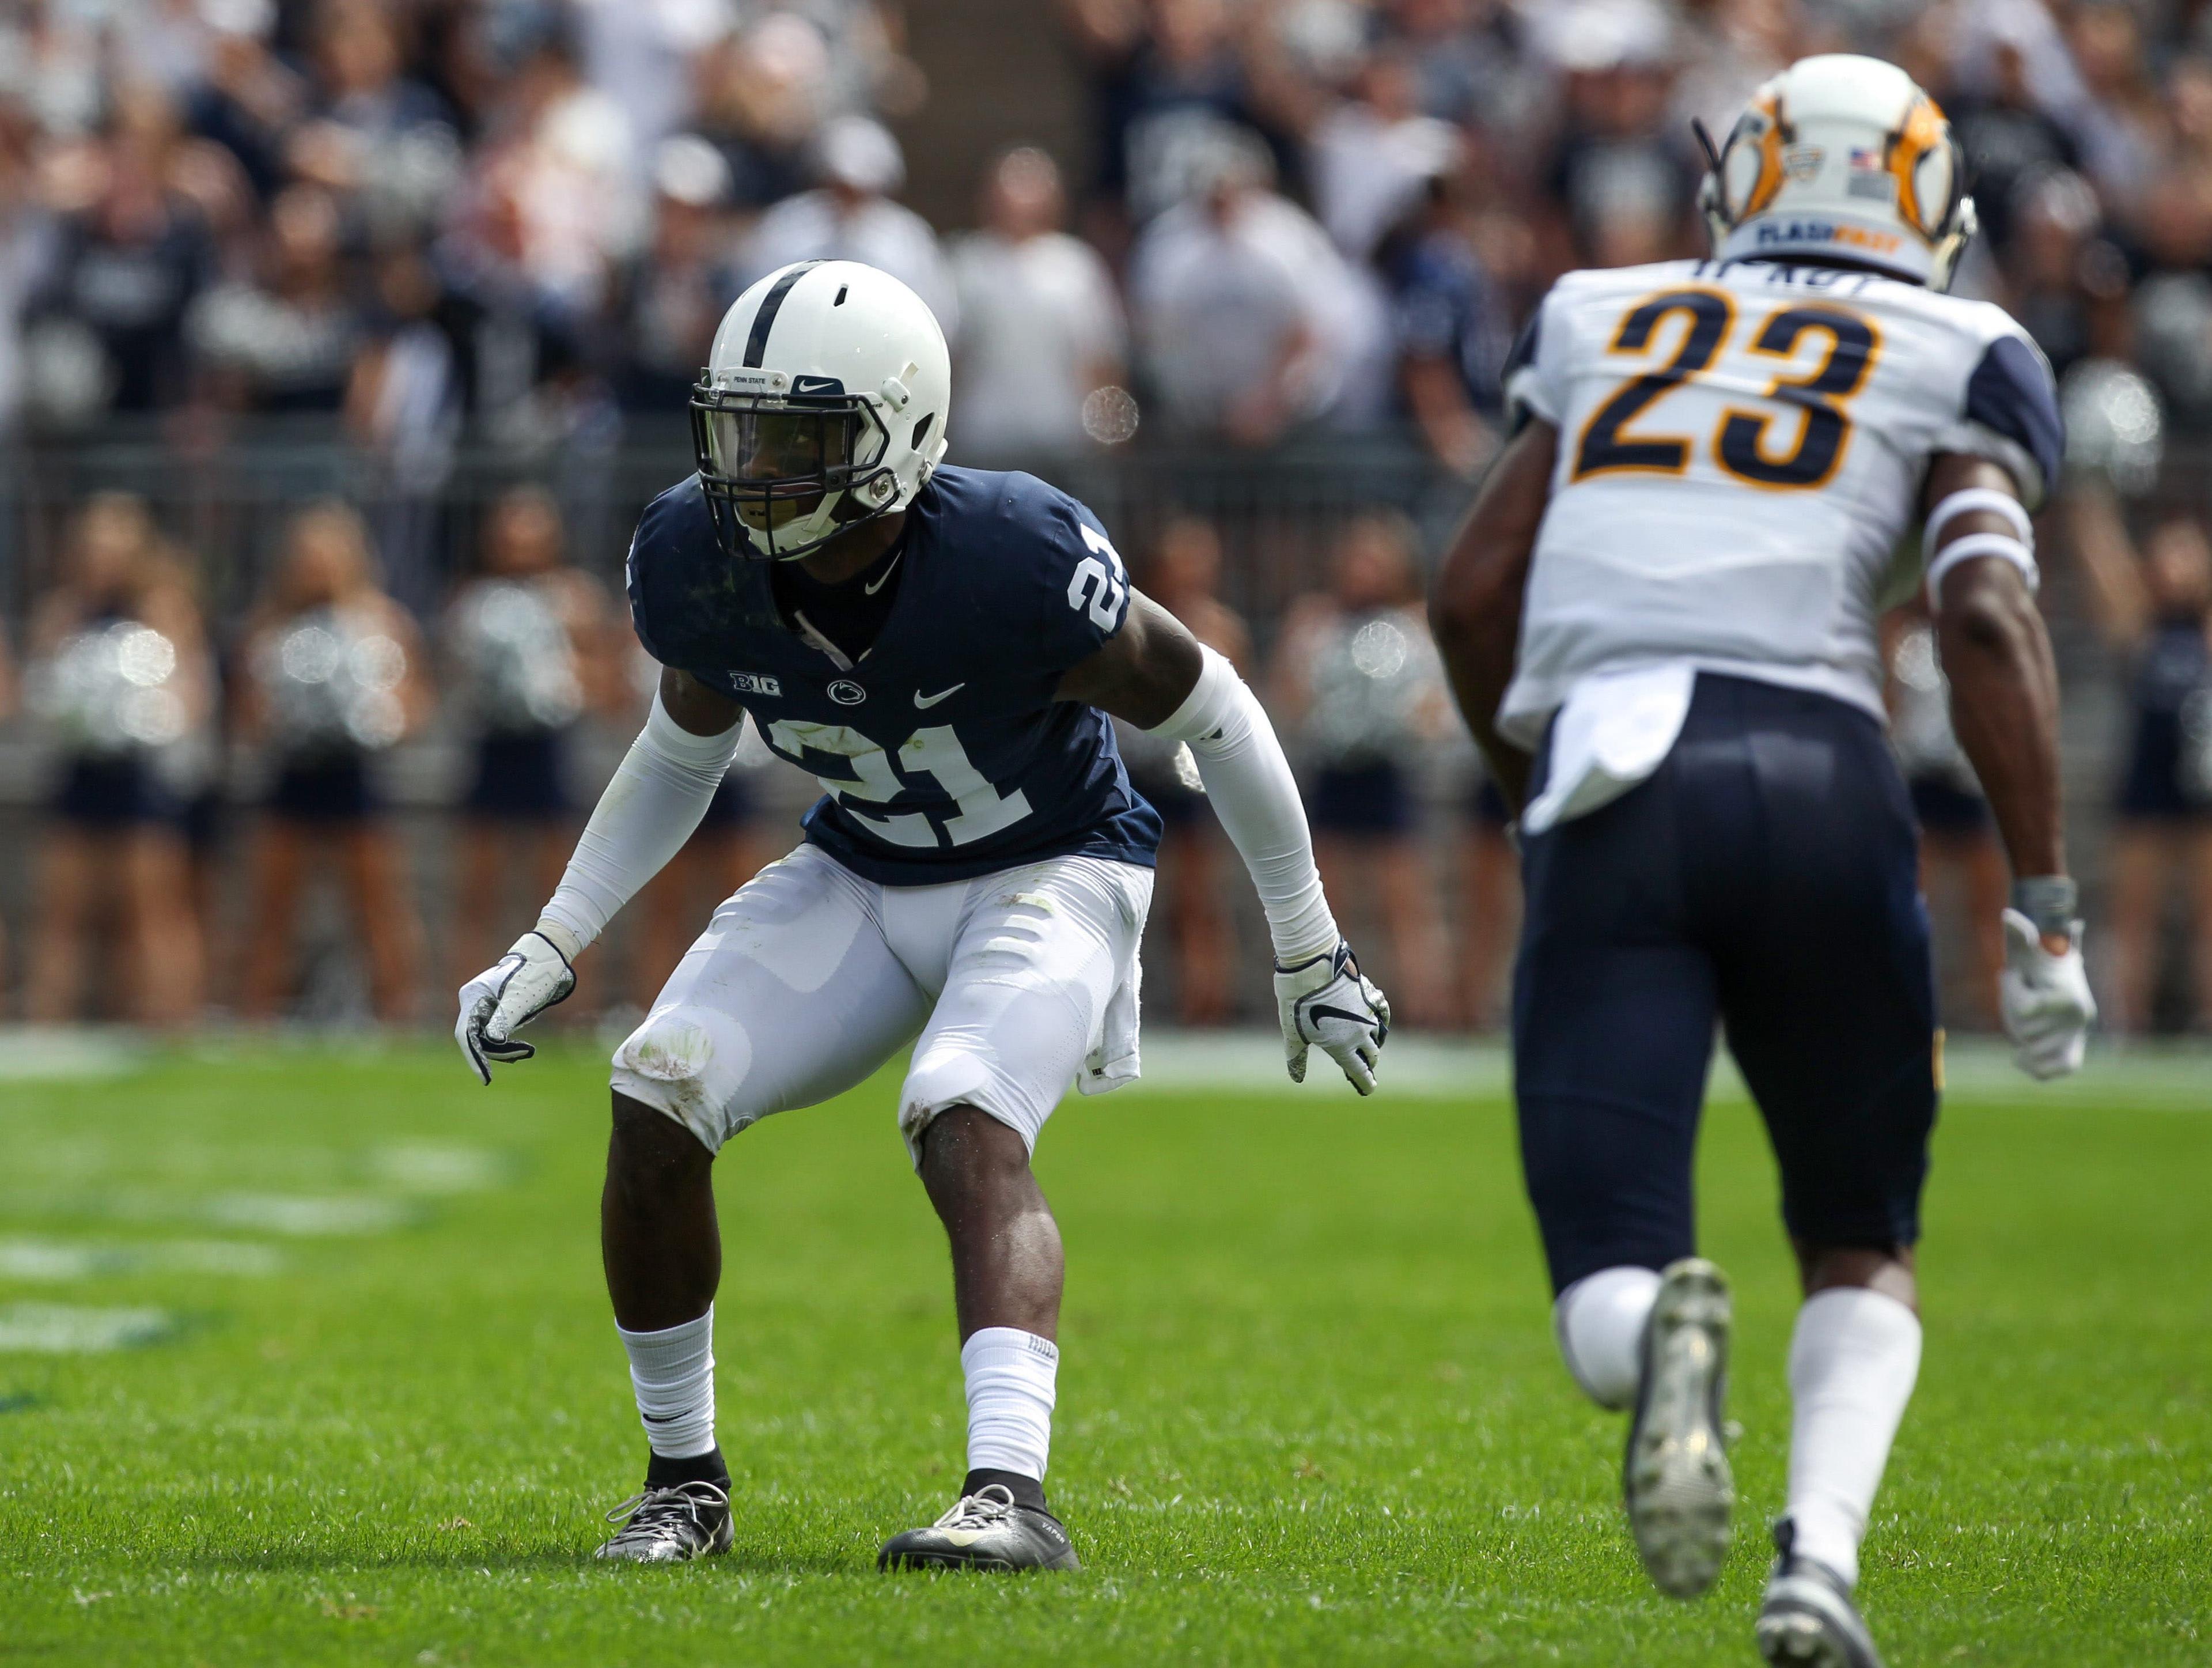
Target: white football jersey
x=1742, y=449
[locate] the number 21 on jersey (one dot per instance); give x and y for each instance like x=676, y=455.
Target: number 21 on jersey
x=1098, y=586
x=1841, y=345
x=935, y=751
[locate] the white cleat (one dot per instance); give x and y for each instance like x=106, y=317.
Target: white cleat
x=1674, y=1478
x=1808, y=1620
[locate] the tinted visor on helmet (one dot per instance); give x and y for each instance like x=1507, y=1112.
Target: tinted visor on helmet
x=766, y=461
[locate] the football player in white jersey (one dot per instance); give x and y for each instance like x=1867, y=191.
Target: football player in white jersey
x=1659, y=621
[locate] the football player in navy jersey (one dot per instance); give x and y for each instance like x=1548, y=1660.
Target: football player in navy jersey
x=941, y=648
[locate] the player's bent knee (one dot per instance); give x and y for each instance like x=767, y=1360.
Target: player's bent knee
x=646, y=1140
x=686, y=1063
x=966, y=1140
x=946, y=1080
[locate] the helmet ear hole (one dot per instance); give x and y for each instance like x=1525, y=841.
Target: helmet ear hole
x=922, y=428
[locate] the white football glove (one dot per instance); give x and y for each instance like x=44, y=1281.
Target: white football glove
x=2047, y=1005
x=1329, y=1004
x=499, y=1002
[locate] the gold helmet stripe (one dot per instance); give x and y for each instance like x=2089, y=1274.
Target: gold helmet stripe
x=1923, y=129
x=1768, y=181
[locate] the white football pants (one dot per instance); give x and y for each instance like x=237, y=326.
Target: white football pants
x=810, y=977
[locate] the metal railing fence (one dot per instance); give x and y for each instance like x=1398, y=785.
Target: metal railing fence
x=1278, y=513
x=225, y=506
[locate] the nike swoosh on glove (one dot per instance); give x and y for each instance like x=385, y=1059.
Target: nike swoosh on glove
x=1329, y=1004
x=499, y=1002
x=2047, y=1005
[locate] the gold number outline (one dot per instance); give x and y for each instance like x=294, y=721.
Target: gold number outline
x=1606, y=425
x=1739, y=429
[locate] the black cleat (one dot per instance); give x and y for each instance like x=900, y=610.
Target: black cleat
x=1808, y=1620
x=671, y=1526
x=987, y=1529
x=1674, y=1478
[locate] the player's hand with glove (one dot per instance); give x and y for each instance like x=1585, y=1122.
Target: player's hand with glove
x=1329, y=1004
x=530, y=977
x=2046, y=997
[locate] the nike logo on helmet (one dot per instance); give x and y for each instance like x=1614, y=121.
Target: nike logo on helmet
x=921, y=700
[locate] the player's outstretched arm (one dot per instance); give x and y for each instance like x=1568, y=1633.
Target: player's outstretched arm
x=643, y=819
x=1154, y=674
x=2004, y=706
x=1475, y=607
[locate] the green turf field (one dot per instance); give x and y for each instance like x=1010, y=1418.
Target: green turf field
x=368, y=1402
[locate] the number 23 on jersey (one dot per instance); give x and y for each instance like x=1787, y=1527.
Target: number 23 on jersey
x=1814, y=357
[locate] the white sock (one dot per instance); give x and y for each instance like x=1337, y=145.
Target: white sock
x=1011, y=1377
x=673, y=1374
x=1852, y=1362
x=1601, y=1320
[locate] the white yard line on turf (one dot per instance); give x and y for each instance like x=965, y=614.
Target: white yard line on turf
x=57, y=1329
x=2169, y=1077
x=424, y=1166
x=309, y=1216
x=45, y=1054
x=48, y=1259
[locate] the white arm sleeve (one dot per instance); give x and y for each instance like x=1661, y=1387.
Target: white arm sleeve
x=1250, y=783
x=648, y=812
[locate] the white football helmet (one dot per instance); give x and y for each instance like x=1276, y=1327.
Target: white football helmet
x=823, y=406
x=1842, y=158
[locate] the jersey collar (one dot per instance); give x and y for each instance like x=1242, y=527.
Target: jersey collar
x=905, y=559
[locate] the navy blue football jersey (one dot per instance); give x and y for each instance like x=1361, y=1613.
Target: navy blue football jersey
x=941, y=751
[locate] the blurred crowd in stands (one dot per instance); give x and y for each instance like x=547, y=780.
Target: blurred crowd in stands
x=412, y=214
x=518, y=222
x=415, y=216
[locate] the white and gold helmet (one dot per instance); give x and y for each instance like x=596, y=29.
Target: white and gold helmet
x=1842, y=158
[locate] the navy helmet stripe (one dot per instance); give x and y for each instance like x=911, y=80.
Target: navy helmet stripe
x=771, y=304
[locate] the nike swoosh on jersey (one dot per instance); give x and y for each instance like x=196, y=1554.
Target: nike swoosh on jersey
x=921, y=700
x=886, y=579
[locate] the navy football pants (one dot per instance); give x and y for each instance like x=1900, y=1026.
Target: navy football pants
x=1766, y=875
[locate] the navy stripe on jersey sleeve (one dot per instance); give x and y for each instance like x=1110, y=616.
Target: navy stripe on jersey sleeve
x=2011, y=393
x=1524, y=345
x=1522, y=357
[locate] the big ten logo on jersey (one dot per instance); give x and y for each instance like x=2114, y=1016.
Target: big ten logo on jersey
x=955, y=806
x=1100, y=583
x=1801, y=362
